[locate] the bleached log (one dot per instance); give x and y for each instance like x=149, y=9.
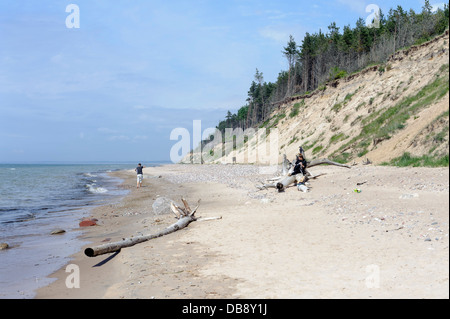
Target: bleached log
x=322, y=161
x=285, y=166
x=185, y=215
x=129, y=242
x=208, y=218
x=281, y=183
x=288, y=180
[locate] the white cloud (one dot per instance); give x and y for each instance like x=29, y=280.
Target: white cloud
x=437, y=6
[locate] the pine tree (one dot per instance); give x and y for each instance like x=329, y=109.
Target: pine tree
x=291, y=54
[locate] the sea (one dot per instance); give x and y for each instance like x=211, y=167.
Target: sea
x=36, y=199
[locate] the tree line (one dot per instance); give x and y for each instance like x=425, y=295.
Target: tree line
x=324, y=57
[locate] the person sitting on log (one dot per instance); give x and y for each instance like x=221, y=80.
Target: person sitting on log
x=300, y=165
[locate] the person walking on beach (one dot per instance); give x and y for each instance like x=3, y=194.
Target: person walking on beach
x=140, y=174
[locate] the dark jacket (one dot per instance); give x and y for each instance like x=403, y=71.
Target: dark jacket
x=300, y=166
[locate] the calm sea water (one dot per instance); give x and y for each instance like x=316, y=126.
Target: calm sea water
x=36, y=199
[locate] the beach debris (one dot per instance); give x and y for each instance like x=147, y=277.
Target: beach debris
x=408, y=196
x=208, y=218
x=4, y=246
x=286, y=179
x=185, y=216
x=57, y=232
x=302, y=187
x=88, y=222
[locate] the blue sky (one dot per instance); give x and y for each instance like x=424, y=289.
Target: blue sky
x=114, y=89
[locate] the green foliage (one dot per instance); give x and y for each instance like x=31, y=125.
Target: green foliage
x=427, y=161
x=331, y=56
x=440, y=137
x=296, y=108
x=337, y=137
x=395, y=117
x=337, y=107
x=336, y=73
x=382, y=124
x=317, y=149
x=341, y=158
x=277, y=117
x=293, y=140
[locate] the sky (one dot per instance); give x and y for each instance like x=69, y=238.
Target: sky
x=115, y=87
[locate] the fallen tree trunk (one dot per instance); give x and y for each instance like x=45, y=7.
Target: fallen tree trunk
x=285, y=166
x=325, y=161
x=283, y=182
x=185, y=217
x=286, y=182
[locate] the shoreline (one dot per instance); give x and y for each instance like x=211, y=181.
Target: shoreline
x=320, y=244
x=134, y=216
x=41, y=226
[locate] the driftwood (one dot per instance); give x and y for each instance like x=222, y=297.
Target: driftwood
x=184, y=215
x=286, y=179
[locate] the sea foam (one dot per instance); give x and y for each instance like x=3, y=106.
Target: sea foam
x=96, y=190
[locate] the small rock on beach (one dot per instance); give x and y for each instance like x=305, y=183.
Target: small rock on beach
x=58, y=232
x=88, y=223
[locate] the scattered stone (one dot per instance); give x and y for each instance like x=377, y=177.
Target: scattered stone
x=57, y=232
x=4, y=246
x=408, y=196
x=427, y=239
x=89, y=222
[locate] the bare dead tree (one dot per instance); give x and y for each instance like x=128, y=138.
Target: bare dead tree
x=286, y=179
x=184, y=215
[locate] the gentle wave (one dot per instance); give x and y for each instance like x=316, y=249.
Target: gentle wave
x=89, y=175
x=95, y=189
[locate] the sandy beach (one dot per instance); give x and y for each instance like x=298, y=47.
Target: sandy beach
x=390, y=240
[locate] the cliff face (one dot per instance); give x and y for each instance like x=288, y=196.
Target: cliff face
x=379, y=113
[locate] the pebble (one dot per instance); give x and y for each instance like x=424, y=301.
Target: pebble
x=57, y=232
x=235, y=176
x=4, y=246
x=88, y=222
x=388, y=215
x=408, y=196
